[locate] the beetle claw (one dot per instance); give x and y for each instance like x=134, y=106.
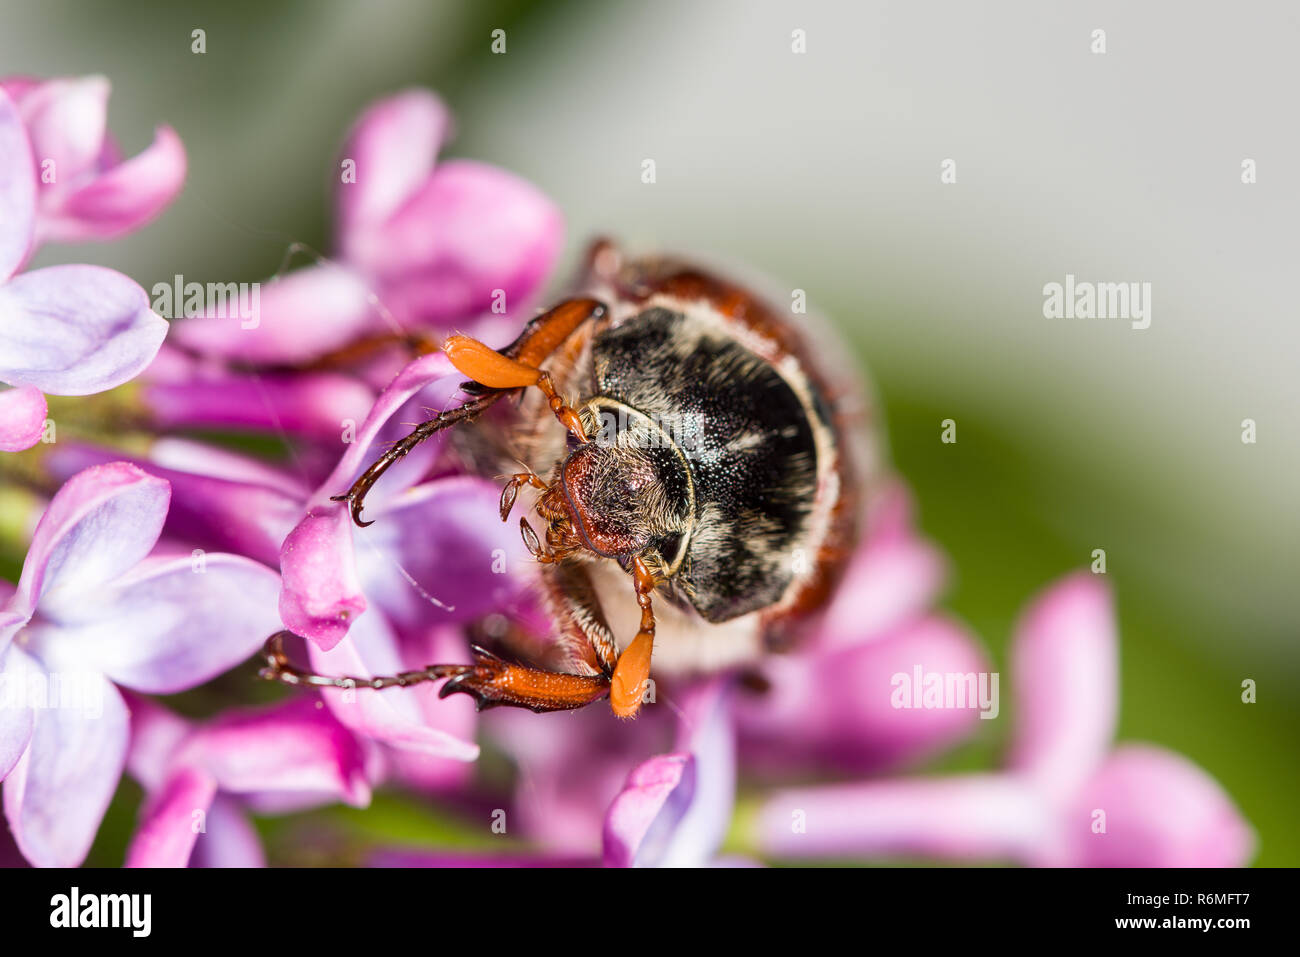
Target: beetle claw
x=355, y=504
x=480, y=680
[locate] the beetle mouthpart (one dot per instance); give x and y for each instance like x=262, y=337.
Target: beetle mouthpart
x=508, y=496
x=531, y=541
x=534, y=544
x=512, y=487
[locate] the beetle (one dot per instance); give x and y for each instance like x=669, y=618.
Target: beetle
x=711, y=459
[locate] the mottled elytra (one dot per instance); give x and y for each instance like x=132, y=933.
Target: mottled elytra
x=703, y=452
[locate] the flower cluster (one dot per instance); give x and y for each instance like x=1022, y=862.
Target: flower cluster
x=155, y=567
x=70, y=330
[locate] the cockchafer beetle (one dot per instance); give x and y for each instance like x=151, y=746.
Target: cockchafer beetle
x=714, y=456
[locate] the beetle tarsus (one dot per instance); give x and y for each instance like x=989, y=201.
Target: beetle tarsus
x=279, y=668
x=494, y=682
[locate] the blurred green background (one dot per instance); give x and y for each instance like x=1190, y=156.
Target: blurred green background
x=822, y=170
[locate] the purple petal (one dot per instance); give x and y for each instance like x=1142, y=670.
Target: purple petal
x=16, y=715
x=294, y=747
x=454, y=715
x=300, y=317
x=13, y=616
x=443, y=393
x=1065, y=666
x=1161, y=810
x=229, y=841
x=121, y=199
x=424, y=372
x=66, y=119
x=978, y=817
x=893, y=577
x=391, y=716
x=707, y=733
x=888, y=582
x=571, y=767
x=22, y=418
x=156, y=733
x=316, y=405
x=858, y=710
x=57, y=794
x=247, y=516
x=74, y=330
x=643, y=818
x=440, y=553
x=470, y=230
x=99, y=524
x=394, y=145
x=197, y=458
x=890, y=511
x=320, y=593
x=17, y=190
x=321, y=589
x=169, y=624
x=171, y=820
x=18, y=87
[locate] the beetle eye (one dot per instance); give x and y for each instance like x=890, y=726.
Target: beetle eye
x=669, y=545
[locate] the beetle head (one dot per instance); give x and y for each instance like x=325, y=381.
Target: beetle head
x=623, y=501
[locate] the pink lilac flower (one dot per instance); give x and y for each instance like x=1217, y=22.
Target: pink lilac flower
x=1067, y=796
x=94, y=610
x=439, y=558
x=64, y=330
x=202, y=779
x=86, y=190
x=420, y=243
